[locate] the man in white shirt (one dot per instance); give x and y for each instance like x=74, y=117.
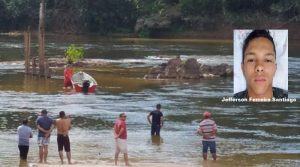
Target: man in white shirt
x=24, y=133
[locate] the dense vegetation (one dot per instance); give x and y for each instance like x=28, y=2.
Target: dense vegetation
x=104, y=16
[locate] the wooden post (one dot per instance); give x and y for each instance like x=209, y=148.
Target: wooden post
x=26, y=51
x=42, y=39
x=33, y=64
x=27, y=45
x=47, y=70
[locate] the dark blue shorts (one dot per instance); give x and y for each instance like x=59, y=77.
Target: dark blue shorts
x=209, y=144
x=155, y=130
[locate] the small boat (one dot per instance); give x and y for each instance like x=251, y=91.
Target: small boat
x=83, y=82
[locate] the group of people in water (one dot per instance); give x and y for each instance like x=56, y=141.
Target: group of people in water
x=45, y=125
x=258, y=66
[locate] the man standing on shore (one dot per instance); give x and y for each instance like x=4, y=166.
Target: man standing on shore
x=63, y=125
x=208, y=130
x=120, y=133
x=24, y=133
x=44, y=124
x=156, y=120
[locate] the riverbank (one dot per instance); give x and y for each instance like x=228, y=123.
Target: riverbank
x=223, y=33
x=107, y=165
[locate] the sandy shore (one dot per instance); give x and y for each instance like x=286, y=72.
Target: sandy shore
x=264, y=159
x=108, y=165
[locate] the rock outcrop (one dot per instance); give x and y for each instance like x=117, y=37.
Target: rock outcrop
x=189, y=69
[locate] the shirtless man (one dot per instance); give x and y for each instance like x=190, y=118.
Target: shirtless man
x=63, y=125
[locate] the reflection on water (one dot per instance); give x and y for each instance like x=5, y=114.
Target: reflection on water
x=111, y=79
x=23, y=163
x=157, y=140
x=248, y=134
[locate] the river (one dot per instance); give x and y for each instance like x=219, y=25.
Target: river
x=249, y=134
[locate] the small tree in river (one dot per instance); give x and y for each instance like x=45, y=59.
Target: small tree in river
x=74, y=54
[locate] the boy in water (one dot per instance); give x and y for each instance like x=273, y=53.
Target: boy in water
x=208, y=130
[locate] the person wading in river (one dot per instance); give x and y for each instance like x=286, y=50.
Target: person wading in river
x=24, y=134
x=208, y=129
x=44, y=124
x=156, y=121
x=68, y=73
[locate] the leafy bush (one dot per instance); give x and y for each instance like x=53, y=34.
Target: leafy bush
x=73, y=54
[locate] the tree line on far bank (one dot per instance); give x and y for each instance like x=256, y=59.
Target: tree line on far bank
x=146, y=16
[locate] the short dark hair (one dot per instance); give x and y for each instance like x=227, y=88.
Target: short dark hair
x=25, y=121
x=62, y=114
x=256, y=34
x=158, y=106
x=44, y=111
x=121, y=115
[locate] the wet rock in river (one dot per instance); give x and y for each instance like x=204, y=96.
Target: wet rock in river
x=156, y=72
x=172, y=67
x=189, y=69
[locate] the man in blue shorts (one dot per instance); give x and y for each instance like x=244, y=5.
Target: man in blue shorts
x=44, y=124
x=208, y=130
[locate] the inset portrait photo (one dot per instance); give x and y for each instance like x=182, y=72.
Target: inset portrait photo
x=260, y=64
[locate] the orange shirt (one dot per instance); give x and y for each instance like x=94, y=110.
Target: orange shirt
x=68, y=73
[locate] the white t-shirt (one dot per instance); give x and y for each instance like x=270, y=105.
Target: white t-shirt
x=24, y=133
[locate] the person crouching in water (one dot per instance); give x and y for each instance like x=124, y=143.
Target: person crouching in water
x=85, y=86
x=63, y=125
x=208, y=130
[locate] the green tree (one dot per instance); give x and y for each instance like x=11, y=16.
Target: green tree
x=202, y=14
x=104, y=16
x=289, y=10
x=65, y=16
x=74, y=54
x=109, y=15
x=22, y=13
x=4, y=16
x=201, y=7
